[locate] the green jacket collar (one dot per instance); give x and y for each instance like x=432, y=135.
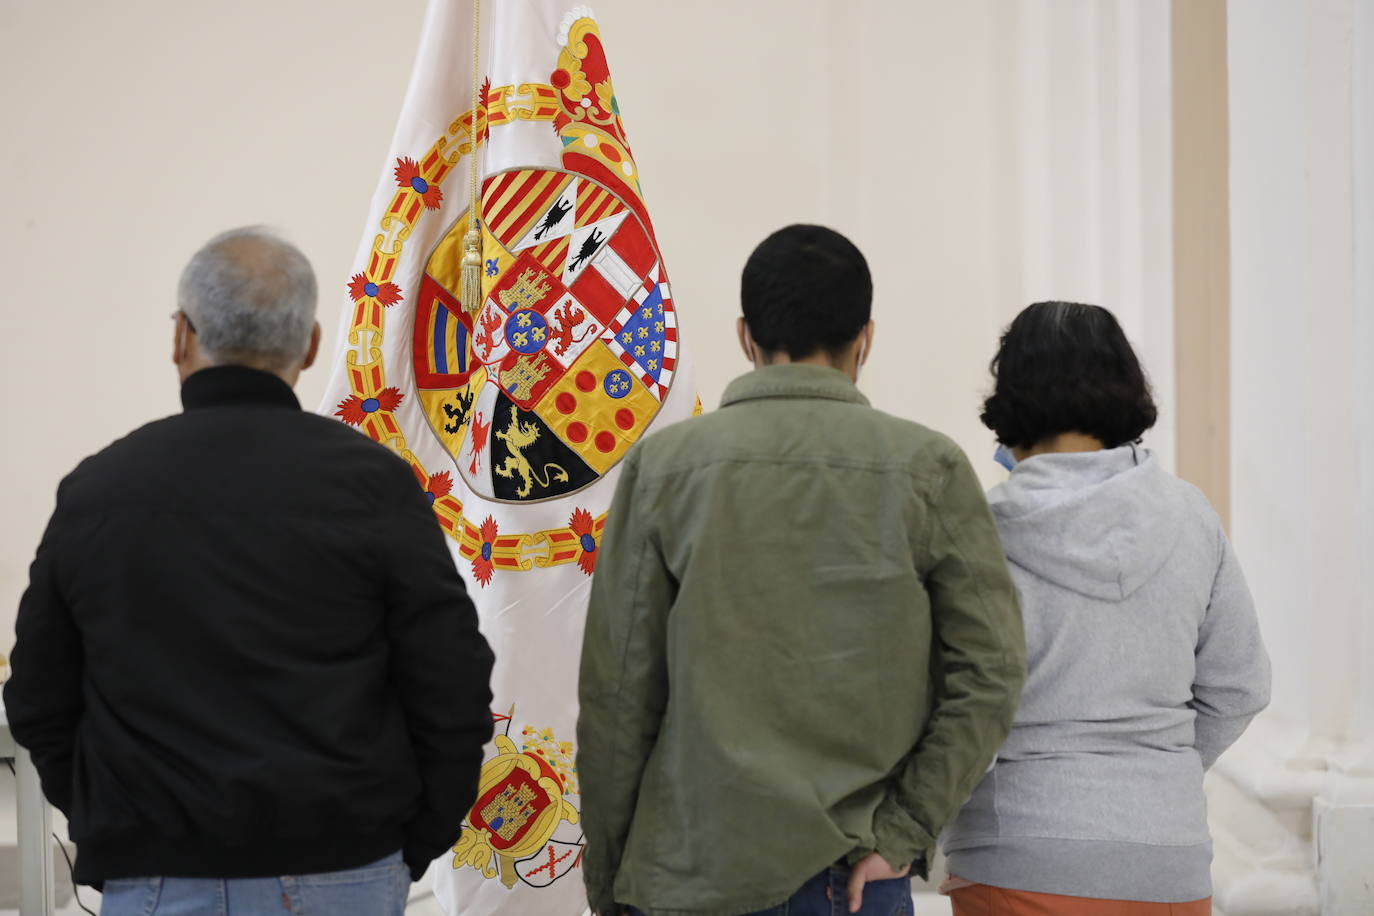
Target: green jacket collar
x=793, y=380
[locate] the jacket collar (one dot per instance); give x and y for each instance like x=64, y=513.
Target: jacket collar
x=236, y=386
x=793, y=380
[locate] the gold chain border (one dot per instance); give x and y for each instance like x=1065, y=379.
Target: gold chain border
x=511, y=552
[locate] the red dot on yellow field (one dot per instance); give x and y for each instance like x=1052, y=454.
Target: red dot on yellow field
x=577, y=432
x=605, y=441
x=565, y=402
x=625, y=418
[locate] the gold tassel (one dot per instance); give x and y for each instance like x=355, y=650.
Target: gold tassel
x=470, y=284
x=471, y=289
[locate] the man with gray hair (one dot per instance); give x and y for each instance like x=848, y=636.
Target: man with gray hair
x=247, y=668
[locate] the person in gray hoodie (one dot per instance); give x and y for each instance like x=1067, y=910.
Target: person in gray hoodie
x=1144, y=654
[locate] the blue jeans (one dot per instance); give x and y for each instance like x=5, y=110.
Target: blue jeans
x=881, y=898
x=379, y=889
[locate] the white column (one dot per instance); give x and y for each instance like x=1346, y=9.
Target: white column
x=1270, y=422
x=1362, y=105
x=1343, y=816
x=1301, y=401
x=1296, y=476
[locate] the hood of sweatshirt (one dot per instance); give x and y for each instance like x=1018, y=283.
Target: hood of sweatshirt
x=1099, y=523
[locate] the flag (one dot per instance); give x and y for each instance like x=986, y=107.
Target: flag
x=514, y=410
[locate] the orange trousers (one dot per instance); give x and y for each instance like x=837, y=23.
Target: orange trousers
x=982, y=900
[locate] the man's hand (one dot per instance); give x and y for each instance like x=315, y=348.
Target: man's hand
x=871, y=867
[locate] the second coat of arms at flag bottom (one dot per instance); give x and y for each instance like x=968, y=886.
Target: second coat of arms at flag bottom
x=542, y=389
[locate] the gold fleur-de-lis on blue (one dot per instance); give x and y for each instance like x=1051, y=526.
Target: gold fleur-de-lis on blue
x=643, y=333
x=639, y=351
x=519, y=339
x=658, y=327
x=627, y=338
x=653, y=365
x=523, y=319
x=655, y=346
x=647, y=313
x=539, y=333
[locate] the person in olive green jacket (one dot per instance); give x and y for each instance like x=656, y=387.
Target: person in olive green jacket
x=803, y=647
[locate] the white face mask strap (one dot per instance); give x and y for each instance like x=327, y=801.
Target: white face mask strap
x=859, y=357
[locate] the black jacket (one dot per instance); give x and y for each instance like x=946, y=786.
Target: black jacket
x=245, y=649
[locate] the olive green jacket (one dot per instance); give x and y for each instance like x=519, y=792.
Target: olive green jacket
x=803, y=645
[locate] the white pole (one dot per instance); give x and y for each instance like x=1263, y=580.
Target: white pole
x=35, y=841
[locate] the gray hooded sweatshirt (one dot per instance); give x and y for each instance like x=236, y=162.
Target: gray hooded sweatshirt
x=1145, y=662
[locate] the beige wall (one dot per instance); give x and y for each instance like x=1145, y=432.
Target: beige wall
x=135, y=131
x=1201, y=240
x=982, y=153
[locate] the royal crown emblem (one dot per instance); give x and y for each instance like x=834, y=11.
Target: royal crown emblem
x=522, y=802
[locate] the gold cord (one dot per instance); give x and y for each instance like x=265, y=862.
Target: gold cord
x=471, y=280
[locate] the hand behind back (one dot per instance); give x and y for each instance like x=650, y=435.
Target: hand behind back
x=871, y=867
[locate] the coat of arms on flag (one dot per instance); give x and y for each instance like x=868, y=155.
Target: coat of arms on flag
x=515, y=407
x=541, y=388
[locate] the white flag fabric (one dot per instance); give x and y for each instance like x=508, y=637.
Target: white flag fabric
x=514, y=411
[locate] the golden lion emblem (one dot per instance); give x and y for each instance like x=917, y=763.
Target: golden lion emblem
x=520, y=436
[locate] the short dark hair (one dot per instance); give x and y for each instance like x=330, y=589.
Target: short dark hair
x=1067, y=367
x=806, y=289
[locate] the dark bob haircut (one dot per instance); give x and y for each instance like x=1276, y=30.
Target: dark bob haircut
x=805, y=289
x=1064, y=367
